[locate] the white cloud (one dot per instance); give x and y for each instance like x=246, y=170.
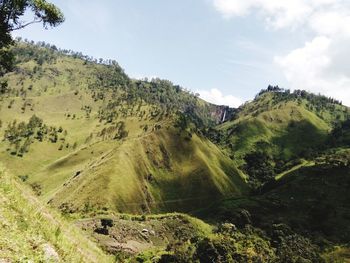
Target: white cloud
x=322, y=16
x=331, y=23
x=321, y=65
x=278, y=13
x=312, y=57
x=215, y=96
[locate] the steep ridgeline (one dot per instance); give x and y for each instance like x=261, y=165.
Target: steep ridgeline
x=278, y=130
x=87, y=137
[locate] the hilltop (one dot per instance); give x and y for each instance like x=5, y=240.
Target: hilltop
x=278, y=130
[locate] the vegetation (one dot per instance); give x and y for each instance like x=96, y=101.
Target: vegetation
x=270, y=183
x=309, y=202
x=139, y=138
x=278, y=130
x=340, y=135
x=30, y=231
x=22, y=135
x=11, y=12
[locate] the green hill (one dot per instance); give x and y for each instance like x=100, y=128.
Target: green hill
x=86, y=136
x=161, y=171
x=277, y=130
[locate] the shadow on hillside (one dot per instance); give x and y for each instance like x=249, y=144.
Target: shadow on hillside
x=314, y=201
x=301, y=138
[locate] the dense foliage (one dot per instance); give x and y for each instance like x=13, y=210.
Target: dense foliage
x=340, y=135
x=21, y=135
x=247, y=244
x=318, y=100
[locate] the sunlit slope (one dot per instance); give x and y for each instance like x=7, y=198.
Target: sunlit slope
x=286, y=125
x=161, y=171
x=29, y=231
x=85, y=136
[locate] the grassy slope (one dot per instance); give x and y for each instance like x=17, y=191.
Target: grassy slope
x=29, y=231
x=154, y=170
x=158, y=172
x=288, y=127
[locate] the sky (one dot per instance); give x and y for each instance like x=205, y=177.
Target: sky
x=226, y=50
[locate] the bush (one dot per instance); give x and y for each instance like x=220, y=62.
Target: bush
x=107, y=222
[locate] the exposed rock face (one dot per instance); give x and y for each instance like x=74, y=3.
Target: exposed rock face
x=223, y=113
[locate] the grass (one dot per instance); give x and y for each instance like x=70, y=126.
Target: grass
x=311, y=198
x=28, y=226
x=337, y=254
x=308, y=198
x=155, y=170
x=285, y=129
x=160, y=172
x=304, y=163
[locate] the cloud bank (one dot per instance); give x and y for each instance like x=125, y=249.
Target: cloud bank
x=321, y=65
x=215, y=96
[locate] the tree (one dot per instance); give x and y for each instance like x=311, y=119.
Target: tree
x=11, y=12
x=259, y=166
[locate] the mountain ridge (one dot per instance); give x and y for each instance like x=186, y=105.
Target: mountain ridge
x=119, y=116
